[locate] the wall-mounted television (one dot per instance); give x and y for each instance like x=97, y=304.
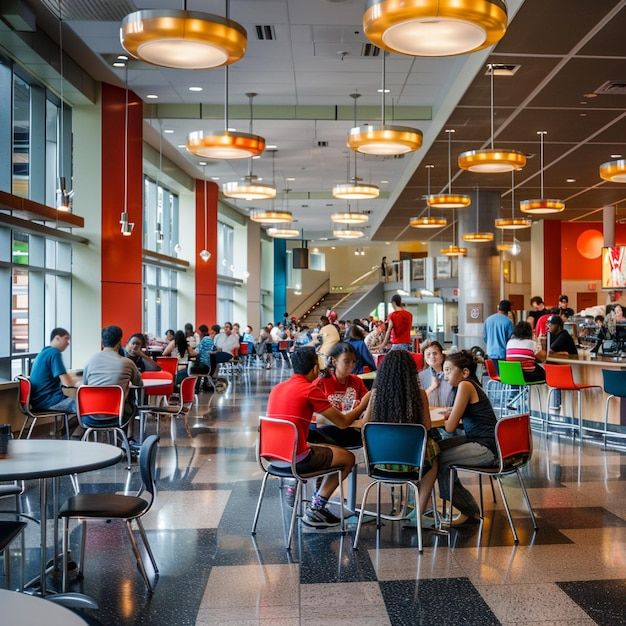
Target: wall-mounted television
x=614, y=267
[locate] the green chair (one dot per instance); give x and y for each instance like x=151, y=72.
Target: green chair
x=511, y=374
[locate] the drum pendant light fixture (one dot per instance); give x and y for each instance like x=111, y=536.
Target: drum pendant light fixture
x=428, y=221
x=492, y=160
x=513, y=223
x=348, y=233
x=226, y=144
x=284, y=232
x=453, y=249
x=384, y=139
x=477, y=236
x=271, y=216
x=448, y=200
x=182, y=39
x=614, y=171
x=250, y=188
x=542, y=206
x=434, y=28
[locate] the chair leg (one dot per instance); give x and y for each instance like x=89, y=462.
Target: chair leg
x=144, y=538
x=6, y=558
x=527, y=499
x=343, y=525
x=378, y=523
x=23, y=427
x=418, y=513
x=361, y=512
x=83, y=544
x=451, y=492
x=292, y=522
x=508, y=510
x=480, y=490
x=606, y=418
x=140, y=564
x=65, y=548
x=258, y=504
x=22, y=559
x=493, y=491
x=30, y=430
x=126, y=445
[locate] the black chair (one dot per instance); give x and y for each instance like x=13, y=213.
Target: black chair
x=9, y=531
x=114, y=506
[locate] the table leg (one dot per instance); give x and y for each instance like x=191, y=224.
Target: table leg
x=43, y=540
x=55, y=513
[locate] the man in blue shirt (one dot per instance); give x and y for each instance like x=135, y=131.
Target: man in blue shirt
x=48, y=373
x=497, y=331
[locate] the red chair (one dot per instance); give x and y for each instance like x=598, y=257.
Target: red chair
x=101, y=408
x=278, y=441
x=23, y=399
x=418, y=357
x=561, y=377
x=515, y=449
x=494, y=379
x=160, y=392
x=168, y=364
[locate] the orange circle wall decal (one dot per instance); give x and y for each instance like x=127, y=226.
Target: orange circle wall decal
x=589, y=243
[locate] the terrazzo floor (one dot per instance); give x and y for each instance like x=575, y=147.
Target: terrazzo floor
x=212, y=571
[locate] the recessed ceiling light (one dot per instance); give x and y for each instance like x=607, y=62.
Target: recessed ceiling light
x=570, y=180
x=387, y=243
x=168, y=131
x=258, y=156
x=333, y=248
x=582, y=114
x=385, y=91
x=195, y=88
x=181, y=145
x=202, y=163
x=269, y=146
x=122, y=57
x=232, y=130
x=616, y=156
x=591, y=95
x=260, y=178
x=119, y=64
x=384, y=182
x=323, y=238
x=583, y=102
x=215, y=177
x=290, y=178
x=152, y=96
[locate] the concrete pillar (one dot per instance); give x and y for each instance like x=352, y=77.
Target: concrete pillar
x=254, y=278
x=608, y=225
x=479, y=283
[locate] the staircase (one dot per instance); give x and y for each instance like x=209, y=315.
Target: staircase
x=312, y=317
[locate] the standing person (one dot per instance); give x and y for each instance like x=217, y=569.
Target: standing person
x=497, y=330
x=399, y=324
x=478, y=446
x=295, y=400
x=438, y=390
x=539, y=309
x=564, y=307
x=329, y=336
x=48, y=374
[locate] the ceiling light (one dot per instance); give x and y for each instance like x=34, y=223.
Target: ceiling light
x=283, y=233
x=384, y=139
x=614, y=171
x=183, y=39
x=181, y=145
x=384, y=182
x=195, y=89
x=349, y=217
x=168, y=131
x=119, y=64
x=570, y=180
x=122, y=57
x=263, y=216
x=249, y=188
x=616, y=156
x=271, y=146
x=428, y=221
x=454, y=251
x=492, y=160
x=504, y=247
x=215, y=177
x=513, y=223
x=434, y=27
x=477, y=236
x=202, y=163
x=152, y=96
x=355, y=191
x=448, y=200
x=383, y=90
x=348, y=233
x=542, y=206
x=290, y=178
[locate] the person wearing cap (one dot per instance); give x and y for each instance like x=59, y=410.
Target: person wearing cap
x=497, y=330
x=539, y=309
x=564, y=308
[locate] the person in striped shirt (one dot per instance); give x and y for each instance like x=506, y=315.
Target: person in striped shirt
x=522, y=348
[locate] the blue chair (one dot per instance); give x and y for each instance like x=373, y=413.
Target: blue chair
x=393, y=444
x=614, y=383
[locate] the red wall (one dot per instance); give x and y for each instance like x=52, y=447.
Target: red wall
x=122, y=297
x=551, y=261
x=206, y=273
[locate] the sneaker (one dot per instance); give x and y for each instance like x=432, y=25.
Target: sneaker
x=320, y=518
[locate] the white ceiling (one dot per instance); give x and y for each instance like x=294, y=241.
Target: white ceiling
x=303, y=66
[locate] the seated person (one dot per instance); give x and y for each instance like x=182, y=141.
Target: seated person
x=398, y=399
x=263, y=347
x=48, y=373
x=560, y=342
x=108, y=367
x=206, y=361
x=227, y=341
x=363, y=355
x=345, y=391
x=522, y=348
x=248, y=337
x=374, y=339
x=295, y=400
x=133, y=352
x=438, y=390
x=192, y=337
x=180, y=349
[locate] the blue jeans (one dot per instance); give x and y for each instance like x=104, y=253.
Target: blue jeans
x=401, y=346
x=67, y=405
x=468, y=453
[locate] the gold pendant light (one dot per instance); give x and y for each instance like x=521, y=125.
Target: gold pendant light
x=384, y=139
x=182, y=39
x=348, y=233
x=226, y=144
x=477, y=236
x=492, y=160
x=428, y=221
x=283, y=233
x=513, y=223
x=541, y=206
x=614, y=171
x=453, y=249
x=434, y=28
x=271, y=216
x=448, y=200
x=349, y=217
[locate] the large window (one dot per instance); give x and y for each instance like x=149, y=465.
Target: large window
x=225, y=267
x=21, y=138
x=160, y=218
x=159, y=299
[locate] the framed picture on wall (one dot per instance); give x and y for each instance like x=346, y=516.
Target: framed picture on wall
x=417, y=269
x=442, y=267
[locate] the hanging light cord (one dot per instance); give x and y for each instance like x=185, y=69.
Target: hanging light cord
x=61, y=125
x=541, y=133
x=491, y=74
x=513, y=194
x=449, y=131
x=428, y=168
x=226, y=98
x=477, y=207
x=206, y=219
x=382, y=99
x=126, y=140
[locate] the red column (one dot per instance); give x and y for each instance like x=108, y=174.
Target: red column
x=551, y=261
x=122, y=298
x=206, y=273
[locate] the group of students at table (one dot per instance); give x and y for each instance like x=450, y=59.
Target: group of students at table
x=330, y=407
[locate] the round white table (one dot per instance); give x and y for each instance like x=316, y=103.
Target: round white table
x=41, y=459
x=20, y=609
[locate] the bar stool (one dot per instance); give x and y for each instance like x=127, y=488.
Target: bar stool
x=614, y=382
x=512, y=374
x=494, y=378
x=561, y=377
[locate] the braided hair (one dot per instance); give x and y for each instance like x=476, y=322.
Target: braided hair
x=398, y=398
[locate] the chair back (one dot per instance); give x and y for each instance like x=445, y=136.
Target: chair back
x=147, y=465
x=278, y=440
x=168, y=364
x=514, y=441
x=511, y=373
x=244, y=349
x=559, y=376
x=491, y=370
x=23, y=393
x=418, y=357
x=167, y=389
x=614, y=382
x=283, y=346
x=99, y=401
x=188, y=390
x=387, y=444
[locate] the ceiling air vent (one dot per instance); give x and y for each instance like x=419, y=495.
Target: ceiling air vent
x=265, y=32
x=613, y=88
x=502, y=69
x=370, y=50
x=322, y=144
x=91, y=10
